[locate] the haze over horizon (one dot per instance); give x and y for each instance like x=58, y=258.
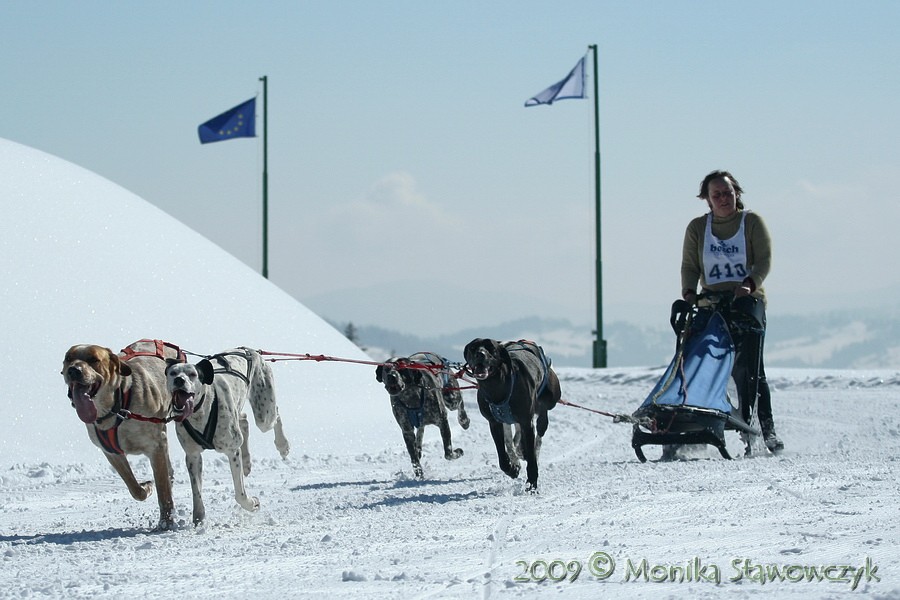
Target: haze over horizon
x=400, y=149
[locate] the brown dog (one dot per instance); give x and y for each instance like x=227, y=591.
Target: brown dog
x=105, y=389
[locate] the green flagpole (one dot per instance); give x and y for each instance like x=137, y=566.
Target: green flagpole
x=599, y=343
x=265, y=179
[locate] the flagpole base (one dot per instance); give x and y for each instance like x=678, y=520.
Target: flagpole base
x=599, y=354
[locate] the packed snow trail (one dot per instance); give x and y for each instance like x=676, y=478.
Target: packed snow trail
x=338, y=523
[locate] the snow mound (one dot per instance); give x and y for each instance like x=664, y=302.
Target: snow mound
x=85, y=261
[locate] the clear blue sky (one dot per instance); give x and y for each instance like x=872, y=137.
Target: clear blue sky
x=400, y=150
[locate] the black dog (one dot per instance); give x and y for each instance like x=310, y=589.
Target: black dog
x=515, y=384
x=422, y=388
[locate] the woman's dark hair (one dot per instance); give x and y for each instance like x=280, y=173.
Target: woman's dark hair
x=704, y=186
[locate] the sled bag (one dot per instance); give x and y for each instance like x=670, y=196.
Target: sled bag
x=708, y=357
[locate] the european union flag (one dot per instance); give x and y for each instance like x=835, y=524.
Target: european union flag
x=240, y=121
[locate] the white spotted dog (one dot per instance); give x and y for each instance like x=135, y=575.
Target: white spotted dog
x=422, y=388
x=208, y=399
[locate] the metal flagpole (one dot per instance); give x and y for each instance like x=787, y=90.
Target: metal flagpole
x=599, y=342
x=265, y=179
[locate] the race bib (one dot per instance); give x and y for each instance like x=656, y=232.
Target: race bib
x=724, y=260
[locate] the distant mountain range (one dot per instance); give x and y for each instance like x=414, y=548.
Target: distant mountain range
x=843, y=330
x=837, y=340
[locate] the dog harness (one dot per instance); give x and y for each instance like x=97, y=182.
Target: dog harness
x=536, y=350
x=225, y=366
x=416, y=414
x=109, y=438
x=205, y=439
x=159, y=350
x=502, y=412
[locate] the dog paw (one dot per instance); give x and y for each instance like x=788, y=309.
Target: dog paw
x=252, y=504
x=453, y=454
x=419, y=472
x=513, y=472
x=464, y=422
x=283, y=449
x=144, y=491
x=531, y=488
x=282, y=444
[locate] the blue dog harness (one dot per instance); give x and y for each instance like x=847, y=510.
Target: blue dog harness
x=416, y=414
x=502, y=412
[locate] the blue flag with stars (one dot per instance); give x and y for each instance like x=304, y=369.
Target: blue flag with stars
x=240, y=121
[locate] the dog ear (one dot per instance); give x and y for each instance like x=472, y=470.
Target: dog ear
x=205, y=371
x=379, y=370
x=171, y=362
x=469, y=350
x=117, y=365
x=492, y=347
x=502, y=353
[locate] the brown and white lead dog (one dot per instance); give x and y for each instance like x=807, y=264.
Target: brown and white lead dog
x=209, y=400
x=102, y=385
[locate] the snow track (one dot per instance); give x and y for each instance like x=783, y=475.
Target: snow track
x=345, y=524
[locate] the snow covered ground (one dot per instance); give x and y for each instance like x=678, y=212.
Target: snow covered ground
x=342, y=517
x=337, y=521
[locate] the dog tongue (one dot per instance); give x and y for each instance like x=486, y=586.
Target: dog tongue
x=183, y=403
x=84, y=405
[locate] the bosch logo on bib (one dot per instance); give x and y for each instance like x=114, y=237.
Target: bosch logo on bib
x=723, y=249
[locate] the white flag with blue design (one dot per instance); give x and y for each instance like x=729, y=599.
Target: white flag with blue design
x=573, y=86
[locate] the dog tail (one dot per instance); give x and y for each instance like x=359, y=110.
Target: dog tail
x=262, y=392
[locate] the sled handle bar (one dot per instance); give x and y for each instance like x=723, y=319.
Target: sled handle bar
x=745, y=307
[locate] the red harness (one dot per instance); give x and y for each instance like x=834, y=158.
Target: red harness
x=109, y=438
x=159, y=350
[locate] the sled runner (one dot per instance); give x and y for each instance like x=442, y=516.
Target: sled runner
x=690, y=404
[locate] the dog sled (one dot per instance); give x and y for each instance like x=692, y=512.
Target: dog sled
x=690, y=403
